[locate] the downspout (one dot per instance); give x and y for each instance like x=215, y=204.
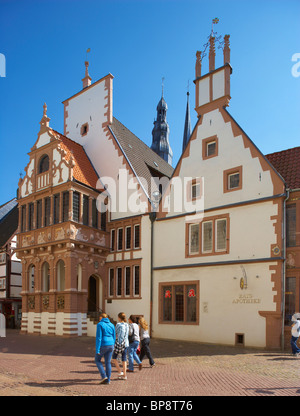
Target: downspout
x=284, y=267
x=152, y=217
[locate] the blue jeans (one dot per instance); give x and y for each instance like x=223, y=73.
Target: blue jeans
x=106, y=352
x=295, y=348
x=132, y=355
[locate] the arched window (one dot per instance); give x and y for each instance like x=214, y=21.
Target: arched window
x=44, y=164
x=79, y=277
x=31, y=271
x=45, y=277
x=60, y=273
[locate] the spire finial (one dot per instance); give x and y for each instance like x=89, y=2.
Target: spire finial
x=87, y=80
x=45, y=110
x=162, y=86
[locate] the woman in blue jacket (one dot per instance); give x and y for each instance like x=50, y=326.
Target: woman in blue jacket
x=105, y=341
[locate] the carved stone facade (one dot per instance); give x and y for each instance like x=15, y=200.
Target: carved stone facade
x=62, y=239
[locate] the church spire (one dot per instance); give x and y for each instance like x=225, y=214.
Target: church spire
x=160, y=132
x=187, y=124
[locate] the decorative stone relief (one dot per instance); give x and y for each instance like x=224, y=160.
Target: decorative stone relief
x=60, y=302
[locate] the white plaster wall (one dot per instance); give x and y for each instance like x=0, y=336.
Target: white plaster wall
x=137, y=306
x=29, y=173
x=219, y=84
x=204, y=91
x=251, y=233
x=43, y=139
x=222, y=316
x=65, y=170
x=256, y=183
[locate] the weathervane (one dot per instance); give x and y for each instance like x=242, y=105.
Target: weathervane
x=162, y=86
x=213, y=34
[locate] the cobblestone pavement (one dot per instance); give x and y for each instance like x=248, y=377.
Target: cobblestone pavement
x=33, y=365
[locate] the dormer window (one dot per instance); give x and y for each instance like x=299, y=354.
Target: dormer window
x=44, y=164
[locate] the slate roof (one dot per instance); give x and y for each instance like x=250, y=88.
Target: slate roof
x=144, y=161
x=287, y=163
x=8, y=220
x=83, y=171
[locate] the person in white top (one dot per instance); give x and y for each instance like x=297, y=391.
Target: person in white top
x=295, y=334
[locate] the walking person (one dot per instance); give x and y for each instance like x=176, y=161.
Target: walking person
x=295, y=334
x=134, y=340
x=121, y=345
x=145, y=341
x=105, y=341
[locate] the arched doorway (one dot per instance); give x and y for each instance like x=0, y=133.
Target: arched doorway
x=95, y=294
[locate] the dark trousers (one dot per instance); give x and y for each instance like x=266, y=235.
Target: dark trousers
x=145, y=350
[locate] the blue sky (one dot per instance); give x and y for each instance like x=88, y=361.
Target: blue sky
x=139, y=42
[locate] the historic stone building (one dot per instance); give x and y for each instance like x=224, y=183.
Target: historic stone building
x=106, y=223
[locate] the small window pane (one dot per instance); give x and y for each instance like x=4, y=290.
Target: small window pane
x=23, y=219
x=195, y=190
x=137, y=280
x=85, y=210
x=76, y=199
x=128, y=238
x=191, y=311
x=194, y=238
x=65, y=206
x=127, y=281
x=94, y=214
x=211, y=148
x=221, y=234
x=233, y=180
x=207, y=236
x=179, y=303
x=167, y=303
x=120, y=239
x=30, y=214
x=112, y=240
x=290, y=299
x=291, y=225
x=136, y=236
x=119, y=282
x=47, y=212
x=44, y=164
x=111, y=281
x=56, y=207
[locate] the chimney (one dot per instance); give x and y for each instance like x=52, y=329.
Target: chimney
x=212, y=54
x=87, y=80
x=226, y=50
x=198, y=64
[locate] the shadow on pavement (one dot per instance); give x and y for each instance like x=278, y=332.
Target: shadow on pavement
x=16, y=343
